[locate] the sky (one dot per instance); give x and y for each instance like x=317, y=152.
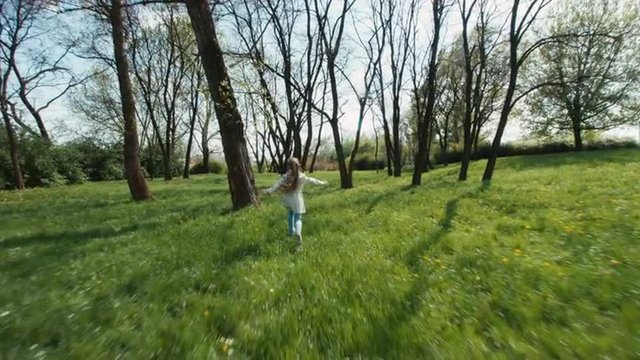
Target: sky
x=60, y=112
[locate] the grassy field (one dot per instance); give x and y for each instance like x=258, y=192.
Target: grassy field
x=544, y=263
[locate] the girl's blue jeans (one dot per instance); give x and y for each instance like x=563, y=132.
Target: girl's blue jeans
x=295, y=223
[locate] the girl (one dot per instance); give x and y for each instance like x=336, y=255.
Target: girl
x=291, y=185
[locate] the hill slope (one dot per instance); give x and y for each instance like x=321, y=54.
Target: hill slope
x=543, y=263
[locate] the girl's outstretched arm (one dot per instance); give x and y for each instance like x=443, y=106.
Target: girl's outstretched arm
x=314, y=181
x=275, y=186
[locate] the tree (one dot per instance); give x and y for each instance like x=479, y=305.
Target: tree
x=398, y=17
x=593, y=67
x=161, y=56
x=135, y=179
x=113, y=13
x=195, y=82
x=34, y=66
x=97, y=101
x=373, y=58
x=11, y=134
x=465, y=14
x=425, y=118
x=331, y=35
x=518, y=27
x=239, y=172
x=482, y=75
x=448, y=105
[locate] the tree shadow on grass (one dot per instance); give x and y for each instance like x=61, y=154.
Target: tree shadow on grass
x=383, y=197
x=49, y=250
x=384, y=332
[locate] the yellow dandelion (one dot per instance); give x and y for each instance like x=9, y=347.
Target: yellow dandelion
x=568, y=229
x=517, y=252
x=505, y=260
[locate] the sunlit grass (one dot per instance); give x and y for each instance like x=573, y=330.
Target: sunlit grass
x=544, y=263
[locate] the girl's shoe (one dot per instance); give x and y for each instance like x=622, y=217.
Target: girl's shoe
x=298, y=242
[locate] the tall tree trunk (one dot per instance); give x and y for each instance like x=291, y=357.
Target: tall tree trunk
x=187, y=158
x=135, y=179
x=476, y=140
x=388, y=148
x=239, y=173
x=577, y=134
x=468, y=91
x=297, y=144
x=308, y=140
x=205, y=140
x=424, y=124
x=397, y=147
x=504, y=114
x=13, y=150
x=315, y=151
x=167, y=162
x=345, y=181
x=375, y=154
x=428, y=164
x=356, y=144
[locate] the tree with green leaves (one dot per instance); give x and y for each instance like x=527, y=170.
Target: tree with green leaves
x=592, y=68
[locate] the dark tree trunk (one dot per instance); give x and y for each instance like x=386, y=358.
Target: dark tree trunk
x=315, y=151
x=424, y=124
x=476, y=138
x=137, y=184
x=504, y=114
x=577, y=134
x=516, y=32
x=13, y=150
x=345, y=181
x=167, y=162
x=205, y=159
x=308, y=140
x=429, y=165
x=388, y=147
x=356, y=144
x=375, y=154
x=187, y=158
x=468, y=90
x=205, y=142
x=239, y=174
x=297, y=144
x=397, y=147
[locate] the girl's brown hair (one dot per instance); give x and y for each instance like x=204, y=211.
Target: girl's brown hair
x=293, y=175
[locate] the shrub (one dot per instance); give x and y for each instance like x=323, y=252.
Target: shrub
x=536, y=149
x=45, y=164
x=367, y=163
x=215, y=167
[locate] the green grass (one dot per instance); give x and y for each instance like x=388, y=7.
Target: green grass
x=544, y=263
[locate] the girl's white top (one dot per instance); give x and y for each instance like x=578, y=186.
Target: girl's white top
x=294, y=199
